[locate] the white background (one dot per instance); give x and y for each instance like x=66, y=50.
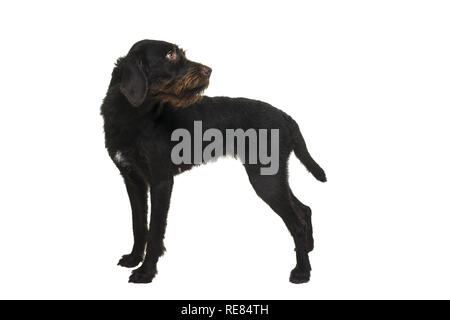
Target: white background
x=368, y=82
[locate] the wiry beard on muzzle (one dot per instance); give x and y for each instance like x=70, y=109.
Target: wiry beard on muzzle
x=184, y=91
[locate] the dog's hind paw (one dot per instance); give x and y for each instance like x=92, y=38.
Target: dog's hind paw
x=130, y=260
x=142, y=275
x=298, y=276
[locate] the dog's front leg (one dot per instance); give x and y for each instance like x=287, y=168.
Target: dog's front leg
x=160, y=199
x=138, y=193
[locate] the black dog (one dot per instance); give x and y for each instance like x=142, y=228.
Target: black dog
x=153, y=91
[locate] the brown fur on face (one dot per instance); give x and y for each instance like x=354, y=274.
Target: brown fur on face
x=183, y=91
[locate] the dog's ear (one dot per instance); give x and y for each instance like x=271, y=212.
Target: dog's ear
x=134, y=84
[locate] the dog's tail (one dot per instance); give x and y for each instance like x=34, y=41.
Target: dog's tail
x=302, y=153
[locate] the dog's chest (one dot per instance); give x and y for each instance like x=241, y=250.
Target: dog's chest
x=120, y=159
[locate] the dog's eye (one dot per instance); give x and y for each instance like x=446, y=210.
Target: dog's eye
x=171, y=55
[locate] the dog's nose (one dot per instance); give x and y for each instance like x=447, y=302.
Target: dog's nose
x=206, y=71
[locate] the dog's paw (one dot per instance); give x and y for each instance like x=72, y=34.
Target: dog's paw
x=130, y=260
x=299, y=276
x=142, y=275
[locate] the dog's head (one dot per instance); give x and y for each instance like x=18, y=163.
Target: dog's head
x=160, y=70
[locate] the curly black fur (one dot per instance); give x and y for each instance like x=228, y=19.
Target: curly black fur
x=155, y=90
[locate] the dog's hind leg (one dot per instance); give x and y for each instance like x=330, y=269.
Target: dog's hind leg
x=138, y=194
x=304, y=212
x=160, y=193
x=275, y=191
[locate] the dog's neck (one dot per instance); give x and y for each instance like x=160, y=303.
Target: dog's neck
x=123, y=122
